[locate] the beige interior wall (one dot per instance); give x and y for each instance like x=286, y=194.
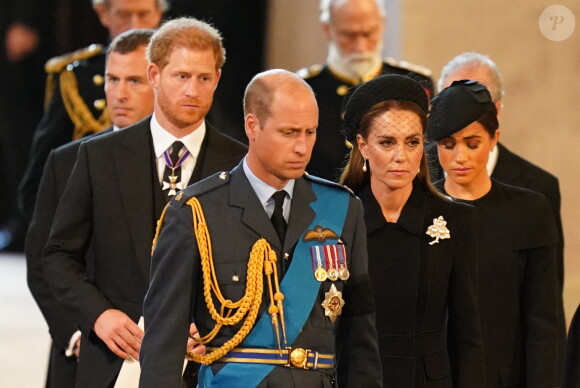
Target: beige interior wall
x=541, y=117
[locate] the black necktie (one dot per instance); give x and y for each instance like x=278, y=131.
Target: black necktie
x=278, y=216
x=175, y=149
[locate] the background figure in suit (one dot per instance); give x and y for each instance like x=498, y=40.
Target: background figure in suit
x=424, y=284
x=117, y=191
x=76, y=100
x=504, y=165
x=572, y=365
x=354, y=29
x=129, y=100
x=520, y=303
x=25, y=44
x=265, y=203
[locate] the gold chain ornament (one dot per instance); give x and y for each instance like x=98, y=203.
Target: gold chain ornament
x=262, y=260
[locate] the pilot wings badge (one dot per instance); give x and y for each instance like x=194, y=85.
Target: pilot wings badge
x=318, y=233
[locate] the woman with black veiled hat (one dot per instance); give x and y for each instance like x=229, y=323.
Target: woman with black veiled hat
x=422, y=246
x=517, y=268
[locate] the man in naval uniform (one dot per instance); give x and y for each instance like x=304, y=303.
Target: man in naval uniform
x=75, y=99
x=354, y=29
x=98, y=254
x=276, y=257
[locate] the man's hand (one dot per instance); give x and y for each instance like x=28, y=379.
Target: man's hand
x=192, y=346
x=120, y=333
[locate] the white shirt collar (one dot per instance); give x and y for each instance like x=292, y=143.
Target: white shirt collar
x=263, y=190
x=162, y=139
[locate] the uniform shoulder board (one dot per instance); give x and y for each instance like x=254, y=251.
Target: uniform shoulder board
x=205, y=185
x=58, y=64
x=310, y=72
x=323, y=181
x=422, y=70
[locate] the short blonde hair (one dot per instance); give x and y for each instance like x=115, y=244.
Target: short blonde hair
x=188, y=33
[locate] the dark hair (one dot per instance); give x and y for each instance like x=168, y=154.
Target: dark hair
x=489, y=120
x=353, y=175
x=130, y=41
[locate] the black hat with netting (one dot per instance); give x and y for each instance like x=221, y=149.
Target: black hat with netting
x=389, y=87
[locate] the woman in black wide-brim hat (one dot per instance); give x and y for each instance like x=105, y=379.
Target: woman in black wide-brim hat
x=517, y=268
x=422, y=246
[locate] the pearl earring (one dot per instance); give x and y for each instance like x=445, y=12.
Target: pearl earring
x=364, y=168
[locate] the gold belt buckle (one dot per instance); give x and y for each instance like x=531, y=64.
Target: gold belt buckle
x=297, y=358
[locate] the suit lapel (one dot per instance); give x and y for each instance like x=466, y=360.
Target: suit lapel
x=301, y=214
x=132, y=155
x=254, y=216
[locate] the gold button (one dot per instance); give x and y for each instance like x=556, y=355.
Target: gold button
x=223, y=175
x=100, y=104
x=235, y=278
x=98, y=79
x=342, y=90
x=286, y=256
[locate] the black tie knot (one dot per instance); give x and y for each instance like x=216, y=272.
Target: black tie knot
x=175, y=149
x=278, y=215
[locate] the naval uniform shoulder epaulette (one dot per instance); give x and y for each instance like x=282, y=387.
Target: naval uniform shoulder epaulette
x=310, y=72
x=422, y=70
x=323, y=181
x=58, y=64
x=208, y=184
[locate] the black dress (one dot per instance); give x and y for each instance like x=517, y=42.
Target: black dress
x=518, y=287
x=415, y=283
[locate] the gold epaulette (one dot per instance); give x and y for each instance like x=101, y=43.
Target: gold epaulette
x=309, y=72
x=422, y=70
x=58, y=64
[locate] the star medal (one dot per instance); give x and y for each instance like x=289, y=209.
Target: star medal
x=333, y=303
x=319, y=271
x=343, y=272
x=438, y=230
x=331, y=258
x=173, y=185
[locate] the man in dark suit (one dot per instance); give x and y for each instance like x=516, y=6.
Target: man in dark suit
x=129, y=100
x=118, y=189
x=314, y=322
x=75, y=105
x=504, y=165
x=354, y=29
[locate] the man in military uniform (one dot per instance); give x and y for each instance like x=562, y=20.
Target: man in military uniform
x=98, y=254
x=354, y=29
x=75, y=99
x=270, y=263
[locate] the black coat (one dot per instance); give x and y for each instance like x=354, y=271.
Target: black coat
x=236, y=220
x=60, y=162
x=113, y=200
x=415, y=284
x=518, y=287
x=572, y=367
x=331, y=150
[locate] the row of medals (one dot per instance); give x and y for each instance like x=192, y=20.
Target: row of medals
x=333, y=274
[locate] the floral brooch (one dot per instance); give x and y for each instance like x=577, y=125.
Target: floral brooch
x=438, y=230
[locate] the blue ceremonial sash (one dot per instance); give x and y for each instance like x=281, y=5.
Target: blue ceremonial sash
x=330, y=210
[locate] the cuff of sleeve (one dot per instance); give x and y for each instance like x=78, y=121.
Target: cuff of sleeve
x=69, y=351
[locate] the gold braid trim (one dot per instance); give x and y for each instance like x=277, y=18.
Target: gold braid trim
x=262, y=259
x=77, y=110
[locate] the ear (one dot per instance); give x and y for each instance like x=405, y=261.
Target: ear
x=153, y=75
x=103, y=14
x=495, y=139
x=252, y=126
x=362, y=145
x=326, y=30
x=498, y=107
x=217, y=79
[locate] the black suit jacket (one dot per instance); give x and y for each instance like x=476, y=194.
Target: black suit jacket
x=236, y=220
x=112, y=200
x=60, y=162
x=572, y=369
